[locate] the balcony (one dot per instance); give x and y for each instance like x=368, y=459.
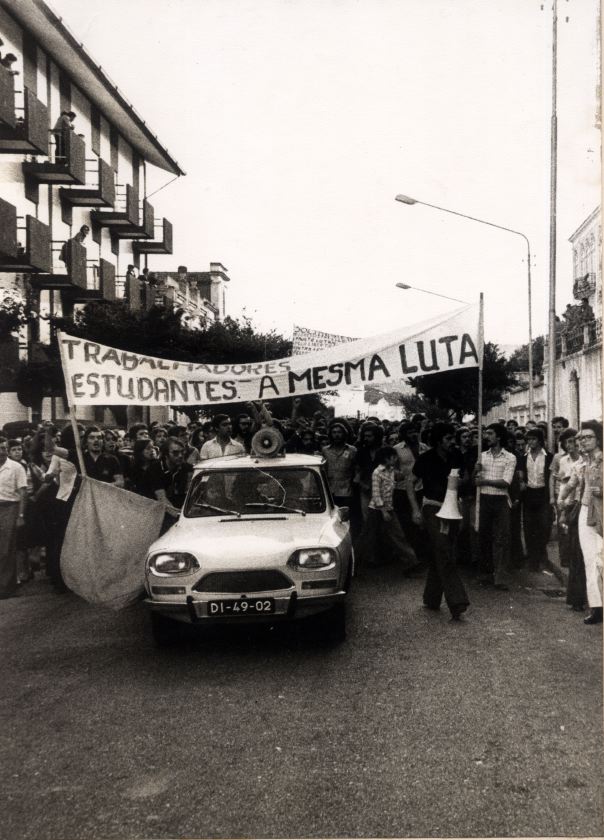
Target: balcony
x=144, y=230
x=27, y=133
x=107, y=279
x=584, y=286
x=99, y=190
x=8, y=116
x=579, y=338
x=70, y=274
x=35, y=256
x=156, y=246
x=67, y=167
x=124, y=213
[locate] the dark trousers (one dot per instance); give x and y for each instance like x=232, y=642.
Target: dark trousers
x=517, y=549
x=537, y=518
x=443, y=577
x=8, y=547
x=572, y=557
x=495, y=537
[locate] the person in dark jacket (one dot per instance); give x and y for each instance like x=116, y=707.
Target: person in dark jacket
x=537, y=513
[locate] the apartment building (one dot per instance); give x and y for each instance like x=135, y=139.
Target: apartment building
x=61, y=174
x=201, y=295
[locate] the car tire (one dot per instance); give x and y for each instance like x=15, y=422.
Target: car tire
x=165, y=631
x=331, y=625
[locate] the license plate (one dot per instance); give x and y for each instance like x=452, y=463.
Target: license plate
x=242, y=606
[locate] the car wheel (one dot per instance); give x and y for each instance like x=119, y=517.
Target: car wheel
x=331, y=625
x=164, y=630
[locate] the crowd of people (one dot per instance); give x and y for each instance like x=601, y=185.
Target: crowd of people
x=503, y=504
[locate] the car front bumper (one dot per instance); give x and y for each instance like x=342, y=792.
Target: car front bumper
x=194, y=608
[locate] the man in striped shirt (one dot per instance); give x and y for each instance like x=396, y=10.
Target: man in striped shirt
x=494, y=473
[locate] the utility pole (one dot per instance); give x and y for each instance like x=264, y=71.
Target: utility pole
x=551, y=356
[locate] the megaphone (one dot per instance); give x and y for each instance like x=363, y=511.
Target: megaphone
x=267, y=442
x=450, y=506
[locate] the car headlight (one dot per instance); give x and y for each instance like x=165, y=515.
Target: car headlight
x=313, y=558
x=169, y=563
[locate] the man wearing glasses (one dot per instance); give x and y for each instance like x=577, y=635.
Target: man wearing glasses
x=588, y=478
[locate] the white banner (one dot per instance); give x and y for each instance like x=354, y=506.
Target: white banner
x=100, y=375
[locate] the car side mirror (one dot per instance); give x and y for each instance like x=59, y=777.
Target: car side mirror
x=344, y=514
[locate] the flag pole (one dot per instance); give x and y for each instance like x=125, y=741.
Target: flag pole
x=479, y=417
x=72, y=415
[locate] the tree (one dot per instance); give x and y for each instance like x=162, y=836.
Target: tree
x=519, y=359
x=457, y=390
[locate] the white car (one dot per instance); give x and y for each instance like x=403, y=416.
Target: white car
x=259, y=539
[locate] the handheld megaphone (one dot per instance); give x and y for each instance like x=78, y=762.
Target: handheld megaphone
x=450, y=507
x=267, y=442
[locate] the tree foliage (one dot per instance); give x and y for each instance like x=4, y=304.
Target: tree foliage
x=457, y=390
x=518, y=361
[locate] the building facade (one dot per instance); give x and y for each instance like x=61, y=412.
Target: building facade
x=578, y=384
x=74, y=154
x=200, y=294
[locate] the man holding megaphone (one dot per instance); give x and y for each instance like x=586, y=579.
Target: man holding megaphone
x=434, y=468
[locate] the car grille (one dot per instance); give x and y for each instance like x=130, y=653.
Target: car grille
x=253, y=581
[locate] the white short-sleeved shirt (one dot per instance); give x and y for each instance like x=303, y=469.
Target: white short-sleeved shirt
x=12, y=480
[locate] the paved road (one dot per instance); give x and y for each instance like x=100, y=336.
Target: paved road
x=416, y=726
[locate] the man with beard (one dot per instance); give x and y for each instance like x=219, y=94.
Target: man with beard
x=340, y=459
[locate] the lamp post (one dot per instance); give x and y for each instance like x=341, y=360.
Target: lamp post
x=405, y=199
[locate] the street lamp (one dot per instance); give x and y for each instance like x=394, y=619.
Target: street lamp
x=428, y=292
x=405, y=199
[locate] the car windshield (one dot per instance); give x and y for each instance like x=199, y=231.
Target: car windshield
x=272, y=491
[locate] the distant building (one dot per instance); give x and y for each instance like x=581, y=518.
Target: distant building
x=200, y=294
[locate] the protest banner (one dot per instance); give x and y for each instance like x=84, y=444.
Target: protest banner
x=99, y=375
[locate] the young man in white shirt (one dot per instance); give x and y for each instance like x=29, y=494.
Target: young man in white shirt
x=223, y=444
x=494, y=473
x=13, y=495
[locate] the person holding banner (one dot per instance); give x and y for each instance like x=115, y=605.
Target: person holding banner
x=433, y=468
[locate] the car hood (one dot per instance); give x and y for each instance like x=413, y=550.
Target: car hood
x=248, y=541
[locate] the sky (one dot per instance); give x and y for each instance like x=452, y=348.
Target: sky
x=298, y=121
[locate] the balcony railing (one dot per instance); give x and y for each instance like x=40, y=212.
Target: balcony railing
x=28, y=133
x=125, y=212
x=99, y=190
x=8, y=117
x=24, y=242
x=579, y=338
x=160, y=243
x=139, y=230
x=67, y=164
